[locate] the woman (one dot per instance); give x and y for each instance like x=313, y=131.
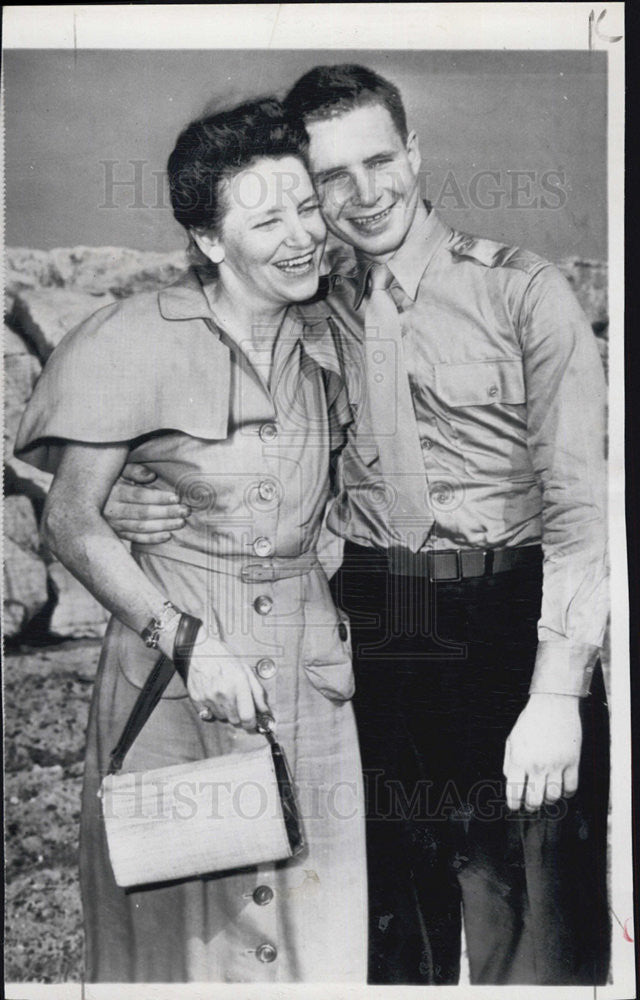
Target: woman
x=231, y=394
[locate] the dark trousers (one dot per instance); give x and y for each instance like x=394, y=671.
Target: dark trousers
x=442, y=673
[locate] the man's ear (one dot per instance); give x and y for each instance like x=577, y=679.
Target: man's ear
x=413, y=152
x=209, y=244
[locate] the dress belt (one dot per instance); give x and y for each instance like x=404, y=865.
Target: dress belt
x=249, y=571
x=461, y=564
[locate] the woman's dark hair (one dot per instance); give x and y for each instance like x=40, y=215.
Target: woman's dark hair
x=212, y=149
x=327, y=91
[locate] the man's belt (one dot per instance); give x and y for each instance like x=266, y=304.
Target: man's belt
x=461, y=564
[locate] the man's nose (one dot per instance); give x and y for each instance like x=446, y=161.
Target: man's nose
x=364, y=188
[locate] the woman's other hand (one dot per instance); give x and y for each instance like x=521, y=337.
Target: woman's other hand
x=138, y=512
x=220, y=681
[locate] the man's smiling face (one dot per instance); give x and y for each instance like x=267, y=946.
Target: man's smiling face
x=366, y=177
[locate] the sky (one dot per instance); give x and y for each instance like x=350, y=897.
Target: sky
x=513, y=143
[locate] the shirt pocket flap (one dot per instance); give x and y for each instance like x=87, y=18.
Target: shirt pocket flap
x=480, y=383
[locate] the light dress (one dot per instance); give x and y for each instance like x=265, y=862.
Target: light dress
x=252, y=460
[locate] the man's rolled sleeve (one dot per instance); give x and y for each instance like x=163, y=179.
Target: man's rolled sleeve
x=566, y=395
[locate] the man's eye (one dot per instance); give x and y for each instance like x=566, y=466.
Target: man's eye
x=381, y=161
x=269, y=224
x=309, y=209
x=340, y=177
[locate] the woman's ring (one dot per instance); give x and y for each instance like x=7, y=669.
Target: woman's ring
x=205, y=714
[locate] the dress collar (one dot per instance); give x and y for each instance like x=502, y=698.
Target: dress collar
x=410, y=260
x=307, y=321
x=185, y=299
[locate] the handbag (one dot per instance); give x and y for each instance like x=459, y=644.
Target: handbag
x=232, y=811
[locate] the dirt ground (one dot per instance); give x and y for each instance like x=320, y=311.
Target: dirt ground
x=46, y=701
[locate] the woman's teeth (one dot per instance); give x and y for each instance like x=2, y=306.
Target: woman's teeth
x=371, y=221
x=296, y=265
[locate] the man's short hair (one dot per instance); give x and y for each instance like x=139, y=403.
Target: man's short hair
x=329, y=91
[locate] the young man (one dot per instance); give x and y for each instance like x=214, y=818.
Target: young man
x=472, y=502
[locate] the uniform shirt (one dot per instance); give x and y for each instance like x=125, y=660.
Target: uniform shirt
x=509, y=398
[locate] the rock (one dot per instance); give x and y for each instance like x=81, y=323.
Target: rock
x=119, y=270
x=588, y=278
x=21, y=369
x=76, y=614
x=20, y=478
x=25, y=575
x=45, y=316
x=13, y=343
x=20, y=523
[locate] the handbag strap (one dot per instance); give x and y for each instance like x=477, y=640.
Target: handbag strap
x=155, y=686
x=291, y=816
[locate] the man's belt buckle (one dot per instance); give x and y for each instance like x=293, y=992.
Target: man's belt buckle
x=460, y=565
x=437, y=563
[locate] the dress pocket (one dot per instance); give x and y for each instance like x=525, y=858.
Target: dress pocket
x=327, y=647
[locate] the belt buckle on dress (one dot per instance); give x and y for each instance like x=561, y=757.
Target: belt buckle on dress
x=258, y=573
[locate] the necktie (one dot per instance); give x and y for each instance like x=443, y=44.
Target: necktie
x=393, y=420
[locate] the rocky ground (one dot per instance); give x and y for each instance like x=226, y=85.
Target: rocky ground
x=47, y=693
x=52, y=625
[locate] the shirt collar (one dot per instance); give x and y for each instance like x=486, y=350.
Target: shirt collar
x=411, y=259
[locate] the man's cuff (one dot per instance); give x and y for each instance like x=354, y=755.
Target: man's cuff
x=563, y=668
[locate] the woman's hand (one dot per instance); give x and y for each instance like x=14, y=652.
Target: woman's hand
x=220, y=681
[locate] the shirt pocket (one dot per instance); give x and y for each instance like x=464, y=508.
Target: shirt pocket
x=481, y=383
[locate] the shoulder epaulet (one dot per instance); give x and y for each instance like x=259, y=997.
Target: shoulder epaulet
x=493, y=254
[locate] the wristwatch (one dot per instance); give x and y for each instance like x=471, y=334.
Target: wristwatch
x=157, y=624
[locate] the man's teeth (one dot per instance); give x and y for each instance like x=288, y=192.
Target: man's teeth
x=372, y=220
x=297, y=265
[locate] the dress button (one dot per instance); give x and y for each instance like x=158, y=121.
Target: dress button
x=263, y=604
x=268, y=432
x=262, y=546
x=267, y=490
x=265, y=668
x=266, y=953
x=263, y=895
x=493, y=390
x=343, y=632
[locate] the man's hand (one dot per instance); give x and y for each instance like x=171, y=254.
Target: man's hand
x=138, y=512
x=543, y=751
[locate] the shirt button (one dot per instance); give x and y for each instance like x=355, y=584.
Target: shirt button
x=267, y=490
x=265, y=668
x=427, y=443
x=263, y=604
x=268, y=432
x=493, y=390
x=262, y=546
x=263, y=895
x=266, y=953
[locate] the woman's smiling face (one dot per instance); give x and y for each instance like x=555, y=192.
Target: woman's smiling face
x=272, y=233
